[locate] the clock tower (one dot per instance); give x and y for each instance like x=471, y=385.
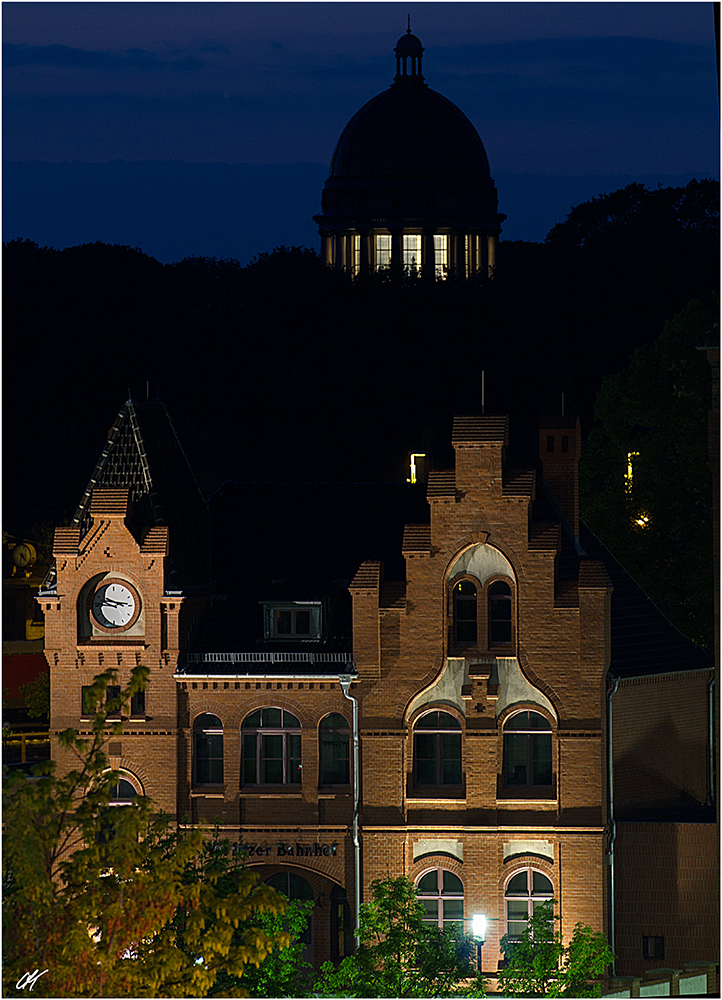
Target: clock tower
x=122, y=594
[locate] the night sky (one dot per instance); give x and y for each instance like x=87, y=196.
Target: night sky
x=211, y=125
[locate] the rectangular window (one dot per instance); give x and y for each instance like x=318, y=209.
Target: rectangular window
x=112, y=695
x=653, y=947
x=209, y=758
x=137, y=703
x=87, y=704
x=441, y=255
x=293, y=621
x=356, y=251
x=383, y=250
x=412, y=251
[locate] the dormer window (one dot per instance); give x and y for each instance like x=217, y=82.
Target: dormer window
x=292, y=620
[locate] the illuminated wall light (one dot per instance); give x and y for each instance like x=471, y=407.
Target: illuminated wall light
x=631, y=455
x=642, y=521
x=414, y=456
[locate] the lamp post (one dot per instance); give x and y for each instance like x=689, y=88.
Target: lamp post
x=478, y=932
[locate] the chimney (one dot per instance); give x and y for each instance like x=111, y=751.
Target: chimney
x=560, y=445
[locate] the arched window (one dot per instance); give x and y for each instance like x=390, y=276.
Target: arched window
x=208, y=750
x=294, y=887
x=526, y=890
x=122, y=792
x=271, y=748
x=499, y=614
x=527, y=750
x=441, y=894
x=437, y=749
x=465, y=627
x=333, y=738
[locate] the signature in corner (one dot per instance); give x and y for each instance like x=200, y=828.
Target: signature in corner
x=29, y=979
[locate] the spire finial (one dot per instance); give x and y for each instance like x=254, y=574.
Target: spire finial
x=408, y=30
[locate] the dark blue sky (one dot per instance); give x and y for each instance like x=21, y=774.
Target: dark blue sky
x=558, y=90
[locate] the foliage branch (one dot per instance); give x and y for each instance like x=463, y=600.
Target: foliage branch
x=108, y=899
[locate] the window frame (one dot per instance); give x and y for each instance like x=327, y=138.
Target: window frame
x=257, y=734
x=211, y=733
x=382, y=253
x=344, y=730
x=528, y=734
x=483, y=643
x=530, y=897
x=439, y=758
x=441, y=896
x=411, y=256
x=271, y=610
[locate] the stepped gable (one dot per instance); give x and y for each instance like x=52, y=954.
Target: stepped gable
x=143, y=455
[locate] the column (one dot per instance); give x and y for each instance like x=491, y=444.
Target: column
x=483, y=256
x=396, y=252
x=366, y=239
x=427, y=253
x=340, y=255
x=491, y=243
x=458, y=256
x=327, y=248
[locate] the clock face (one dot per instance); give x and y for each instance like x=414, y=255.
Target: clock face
x=114, y=605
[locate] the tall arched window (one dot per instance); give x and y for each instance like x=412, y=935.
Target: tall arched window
x=333, y=738
x=465, y=611
x=207, y=750
x=526, y=890
x=499, y=614
x=441, y=894
x=437, y=749
x=271, y=748
x=527, y=750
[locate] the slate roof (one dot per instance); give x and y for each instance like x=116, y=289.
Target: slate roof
x=644, y=641
x=144, y=455
x=298, y=542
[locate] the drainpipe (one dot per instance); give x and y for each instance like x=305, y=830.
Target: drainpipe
x=345, y=680
x=610, y=854
x=712, y=753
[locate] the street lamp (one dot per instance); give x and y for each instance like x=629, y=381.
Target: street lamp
x=478, y=931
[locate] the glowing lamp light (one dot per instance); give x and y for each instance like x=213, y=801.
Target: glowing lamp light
x=478, y=927
x=414, y=456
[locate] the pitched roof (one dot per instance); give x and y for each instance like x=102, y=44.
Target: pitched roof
x=299, y=542
x=143, y=455
x=644, y=641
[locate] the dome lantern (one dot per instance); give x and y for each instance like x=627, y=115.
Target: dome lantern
x=409, y=188
x=408, y=59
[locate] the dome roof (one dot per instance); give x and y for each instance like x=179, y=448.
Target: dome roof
x=409, y=159
x=409, y=43
x=412, y=131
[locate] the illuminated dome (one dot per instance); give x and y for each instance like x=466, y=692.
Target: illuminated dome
x=409, y=184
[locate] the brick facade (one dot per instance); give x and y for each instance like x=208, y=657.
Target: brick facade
x=482, y=725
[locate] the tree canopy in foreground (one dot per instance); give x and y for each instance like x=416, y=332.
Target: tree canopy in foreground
x=106, y=898
x=540, y=965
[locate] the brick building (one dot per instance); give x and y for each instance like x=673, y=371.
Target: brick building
x=466, y=637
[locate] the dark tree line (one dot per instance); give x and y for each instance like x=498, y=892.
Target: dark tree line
x=284, y=370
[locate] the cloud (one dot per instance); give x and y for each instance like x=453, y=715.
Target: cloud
x=615, y=56
x=70, y=58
